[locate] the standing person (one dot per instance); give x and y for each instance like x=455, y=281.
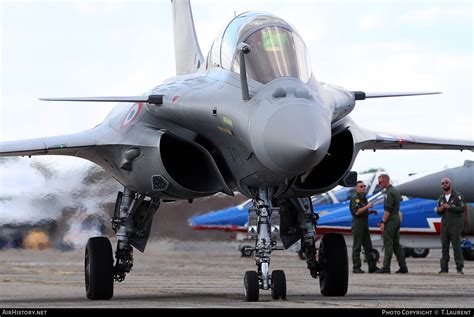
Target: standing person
x=390, y=226
x=451, y=206
x=360, y=229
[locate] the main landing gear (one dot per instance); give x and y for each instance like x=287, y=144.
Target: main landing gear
x=298, y=222
x=329, y=262
x=132, y=223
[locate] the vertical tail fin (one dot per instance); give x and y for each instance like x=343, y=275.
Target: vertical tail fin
x=187, y=52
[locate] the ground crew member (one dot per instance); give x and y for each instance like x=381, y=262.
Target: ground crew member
x=360, y=229
x=451, y=206
x=390, y=226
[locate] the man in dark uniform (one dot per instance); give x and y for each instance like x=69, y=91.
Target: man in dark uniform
x=451, y=206
x=360, y=229
x=390, y=226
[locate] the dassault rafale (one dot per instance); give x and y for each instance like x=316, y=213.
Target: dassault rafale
x=249, y=118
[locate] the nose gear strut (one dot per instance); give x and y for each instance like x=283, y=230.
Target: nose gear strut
x=261, y=218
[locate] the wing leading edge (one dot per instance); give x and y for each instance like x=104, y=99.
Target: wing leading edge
x=372, y=140
x=70, y=144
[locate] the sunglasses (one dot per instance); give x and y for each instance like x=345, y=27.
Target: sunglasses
x=444, y=183
x=361, y=186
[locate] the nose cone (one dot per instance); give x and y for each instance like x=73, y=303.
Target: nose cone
x=295, y=138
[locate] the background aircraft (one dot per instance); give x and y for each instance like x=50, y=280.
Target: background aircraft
x=251, y=118
x=235, y=218
x=428, y=186
x=420, y=228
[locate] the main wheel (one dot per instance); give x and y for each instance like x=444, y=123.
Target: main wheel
x=251, y=286
x=373, y=254
x=245, y=252
x=278, y=284
x=98, y=269
x=334, y=275
x=419, y=252
x=468, y=254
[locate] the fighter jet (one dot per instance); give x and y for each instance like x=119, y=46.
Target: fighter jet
x=428, y=186
x=252, y=118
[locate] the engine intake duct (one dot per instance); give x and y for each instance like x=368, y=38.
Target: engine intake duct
x=331, y=170
x=190, y=166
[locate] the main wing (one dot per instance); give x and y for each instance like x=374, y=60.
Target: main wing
x=70, y=144
x=372, y=140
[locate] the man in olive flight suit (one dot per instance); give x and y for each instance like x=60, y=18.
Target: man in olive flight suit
x=390, y=226
x=360, y=229
x=451, y=206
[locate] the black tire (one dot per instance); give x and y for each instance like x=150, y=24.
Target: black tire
x=334, y=275
x=468, y=254
x=98, y=269
x=251, y=286
x=244, y=252
x=374, y=254
x=278, y=284
x=419, y=252
x=407, y=252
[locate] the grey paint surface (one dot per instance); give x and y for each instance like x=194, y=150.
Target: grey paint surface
x=429, y=186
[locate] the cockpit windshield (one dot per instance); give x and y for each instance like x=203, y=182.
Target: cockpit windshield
x=276, y=48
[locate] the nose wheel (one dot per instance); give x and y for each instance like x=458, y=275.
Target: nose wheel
x=252, y=284
x=278, y=284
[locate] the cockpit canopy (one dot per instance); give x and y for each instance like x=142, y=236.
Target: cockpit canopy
x=276, y=48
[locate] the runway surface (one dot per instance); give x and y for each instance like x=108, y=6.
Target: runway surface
x=199, y=274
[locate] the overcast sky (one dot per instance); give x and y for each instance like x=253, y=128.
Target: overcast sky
x=100, y=48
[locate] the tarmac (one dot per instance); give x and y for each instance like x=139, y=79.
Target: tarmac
x=175, y=274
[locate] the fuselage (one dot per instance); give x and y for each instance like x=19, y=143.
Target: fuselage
x=269, y=140
x=281, y=133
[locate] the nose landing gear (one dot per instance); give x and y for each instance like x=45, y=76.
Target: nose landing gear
x=260, y=224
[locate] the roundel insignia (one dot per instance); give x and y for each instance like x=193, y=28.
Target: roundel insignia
x=174, y=99
x=131, y=114
x=357, y=200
